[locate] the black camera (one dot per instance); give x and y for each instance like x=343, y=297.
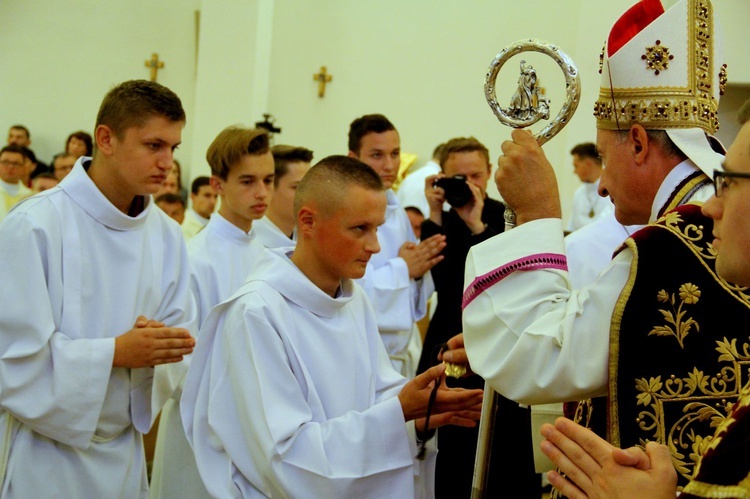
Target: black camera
x=457, y=191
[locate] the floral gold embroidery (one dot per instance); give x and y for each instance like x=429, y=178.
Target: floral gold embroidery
x=710, y=399
x=657, y=57
x=677, y=325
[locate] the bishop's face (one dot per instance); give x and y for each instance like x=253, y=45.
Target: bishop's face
x=345, y=240
x=731, y=214
x=622, y=180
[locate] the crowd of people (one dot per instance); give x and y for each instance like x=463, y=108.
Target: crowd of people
x=267, y=317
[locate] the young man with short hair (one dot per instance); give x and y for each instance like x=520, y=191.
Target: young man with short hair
x=85, y=368
x=42, y=182
x=290, y=392
x=203, y=199
x=172, y=205
x=221, y=256
x=63, y=164
x=588, y=205
x=276, y=229
x=398, y=279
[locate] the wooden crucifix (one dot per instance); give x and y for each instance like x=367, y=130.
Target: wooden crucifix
x=322, y=78
x=154, y=64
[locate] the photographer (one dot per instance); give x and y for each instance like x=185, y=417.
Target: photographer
x=473, y=218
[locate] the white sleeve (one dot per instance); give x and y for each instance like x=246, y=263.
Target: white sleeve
x=52, y=383
x=264, y=425
x=528, y=334
x=394, y=296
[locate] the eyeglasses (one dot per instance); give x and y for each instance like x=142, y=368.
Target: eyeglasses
x=722, y=182
x=11, y=164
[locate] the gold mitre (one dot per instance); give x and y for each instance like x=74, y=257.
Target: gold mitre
x=664, y=70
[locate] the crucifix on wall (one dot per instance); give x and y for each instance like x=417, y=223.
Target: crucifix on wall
x=322, y=78
x=154, y=64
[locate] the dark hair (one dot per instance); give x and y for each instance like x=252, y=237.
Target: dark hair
x=23, y=129
x=132, y=103
x=171, y=198
x=369, y=123
x=231, y=144
x=199, y=182
x=28, y=154
x=85, y=138
x=283, y=155
x=16, y=149
x=586, y=150
x=415, y=210
x=463, y=144
x=46, y=175
x=334, y=174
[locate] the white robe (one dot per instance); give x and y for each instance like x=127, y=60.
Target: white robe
x=270, y=236
x=531, y=336
x=77, y=272
x=290, y=394
x=411, y=190
x=587, y=202
x=221, y=256
x=399, y=301
x=193, y=224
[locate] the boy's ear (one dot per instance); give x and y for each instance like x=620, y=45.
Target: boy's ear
x=217, y=185
x=104, y=136
x=305, y=220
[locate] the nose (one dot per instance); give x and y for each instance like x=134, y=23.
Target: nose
x=372, y=245
x=712, y=208
x=602, y=189
x=263, y=190
x=166, y=161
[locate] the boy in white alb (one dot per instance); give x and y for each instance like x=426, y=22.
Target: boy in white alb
x=221, y=256
x=290, y=392
x=81, y=373
x=277, y=228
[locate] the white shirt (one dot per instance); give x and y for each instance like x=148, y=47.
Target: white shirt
x=530, y=335
x=77, y=272
x=10, y=195
x=291, y=394
x=192, y=224
x=588, y=205
x=270, y=236
x=221, y=257
x=411, y=190
x=399, y=301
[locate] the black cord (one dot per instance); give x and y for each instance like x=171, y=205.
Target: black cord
x=426, y=433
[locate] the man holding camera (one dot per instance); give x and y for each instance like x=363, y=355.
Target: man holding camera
x=473, y=218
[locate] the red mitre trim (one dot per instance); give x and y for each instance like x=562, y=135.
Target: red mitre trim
x=632, y=22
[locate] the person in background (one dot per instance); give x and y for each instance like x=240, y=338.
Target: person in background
x=276, y=228
x=203, y=198
x=173, y=205
x=588, y=205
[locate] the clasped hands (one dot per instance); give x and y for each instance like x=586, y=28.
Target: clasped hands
x=150, y=343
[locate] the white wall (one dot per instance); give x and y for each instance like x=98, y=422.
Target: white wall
x=58, y=59
x=421, y=62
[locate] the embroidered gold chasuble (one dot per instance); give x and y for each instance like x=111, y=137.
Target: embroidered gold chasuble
x=678, y=360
